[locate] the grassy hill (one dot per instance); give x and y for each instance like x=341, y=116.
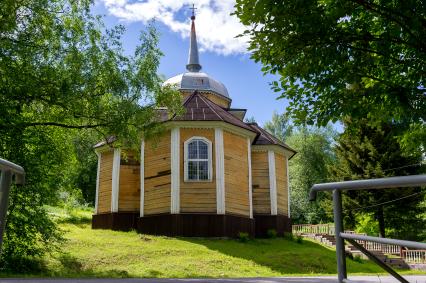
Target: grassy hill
x=104, y=253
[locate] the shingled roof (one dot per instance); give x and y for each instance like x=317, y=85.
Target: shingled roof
x=265, y=138
x=199, y=108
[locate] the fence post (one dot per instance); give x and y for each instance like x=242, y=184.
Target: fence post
x=340, y=243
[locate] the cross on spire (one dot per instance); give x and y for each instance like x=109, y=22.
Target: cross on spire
x=193, y=11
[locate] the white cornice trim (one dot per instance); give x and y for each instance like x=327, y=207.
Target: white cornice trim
x=250, y=187
x=272, y=182
x=98, y=174
x=142, y=179
x=288, y=188
x=175, y=170
x=212, y=125
x=220, y=171
x=115, y=179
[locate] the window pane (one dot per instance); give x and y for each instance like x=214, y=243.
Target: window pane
x=203, y=170
x=192, y=170
x=192, y=150
x=202, y=150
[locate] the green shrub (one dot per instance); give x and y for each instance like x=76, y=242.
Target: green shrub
x=299, y=239
x=243, y=237
x=271, y=233
x=357, y=258
x=289, y=236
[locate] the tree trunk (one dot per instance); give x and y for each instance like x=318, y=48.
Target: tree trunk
x=381, y=218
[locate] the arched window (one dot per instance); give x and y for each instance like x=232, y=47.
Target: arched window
x=198, y=159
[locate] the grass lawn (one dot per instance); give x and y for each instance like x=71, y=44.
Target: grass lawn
x=104, y=253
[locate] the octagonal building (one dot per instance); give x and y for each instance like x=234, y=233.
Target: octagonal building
x=210, y=174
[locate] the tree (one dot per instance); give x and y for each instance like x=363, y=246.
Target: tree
x=280, y=126
x=61, y=70
x=358, y=58
x=364, y=151
x=308, y=167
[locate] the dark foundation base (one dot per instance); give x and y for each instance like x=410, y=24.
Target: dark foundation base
x=280, y=223
x=195, y=225
x=120, y=221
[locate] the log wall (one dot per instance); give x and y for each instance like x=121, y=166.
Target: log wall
x=129, y=191
x=105, y=182
x=236, y=174
x=157, y=175
x=260, y=181
x=198, y=196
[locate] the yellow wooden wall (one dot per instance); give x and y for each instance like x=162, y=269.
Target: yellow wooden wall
x=197, y=196
x=282, y=189
x=260, y=182
x=157, y=175
x=105, y=182
x=236, y=174
x=129, y=190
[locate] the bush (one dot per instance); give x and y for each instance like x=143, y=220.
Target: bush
x=357, y=258
x=243, y=237
x=271, y=233
x=289, y=236
x=299, y=240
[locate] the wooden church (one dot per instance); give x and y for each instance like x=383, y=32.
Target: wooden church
x=210, y=175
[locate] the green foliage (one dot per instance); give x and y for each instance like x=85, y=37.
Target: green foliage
x=367, y=223
x=280, y=126
x=271, y=233
x=299, y=239
x=342, y=58
x=289, y=236
x=368, y=150
x=61, y=71
x=308, y=167
x=357, y=258
x=243, y=237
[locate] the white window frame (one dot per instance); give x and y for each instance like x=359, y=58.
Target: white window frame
x=209, y=153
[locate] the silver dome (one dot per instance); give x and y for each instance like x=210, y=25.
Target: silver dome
x=198, y=81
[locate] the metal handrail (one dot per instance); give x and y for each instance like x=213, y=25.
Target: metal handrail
x=382, y=183
x=388, y=241
x=8, y=170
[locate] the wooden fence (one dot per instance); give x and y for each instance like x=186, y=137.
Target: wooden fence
x=414, y=256
x=325, y=229
x=409, y=256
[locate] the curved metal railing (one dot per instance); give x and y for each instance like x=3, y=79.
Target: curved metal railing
x=382, y=183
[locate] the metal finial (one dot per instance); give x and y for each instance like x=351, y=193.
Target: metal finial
x=193, y=11
x=193, y=60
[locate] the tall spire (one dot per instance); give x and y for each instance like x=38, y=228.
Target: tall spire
x=193, y=60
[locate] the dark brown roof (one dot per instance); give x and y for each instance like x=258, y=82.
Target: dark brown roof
x=199, y=108
x=265, y=138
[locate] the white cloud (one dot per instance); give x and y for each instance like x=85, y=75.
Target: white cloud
x=216, y=28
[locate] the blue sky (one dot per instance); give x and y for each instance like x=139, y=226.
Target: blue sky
x=222, y=56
